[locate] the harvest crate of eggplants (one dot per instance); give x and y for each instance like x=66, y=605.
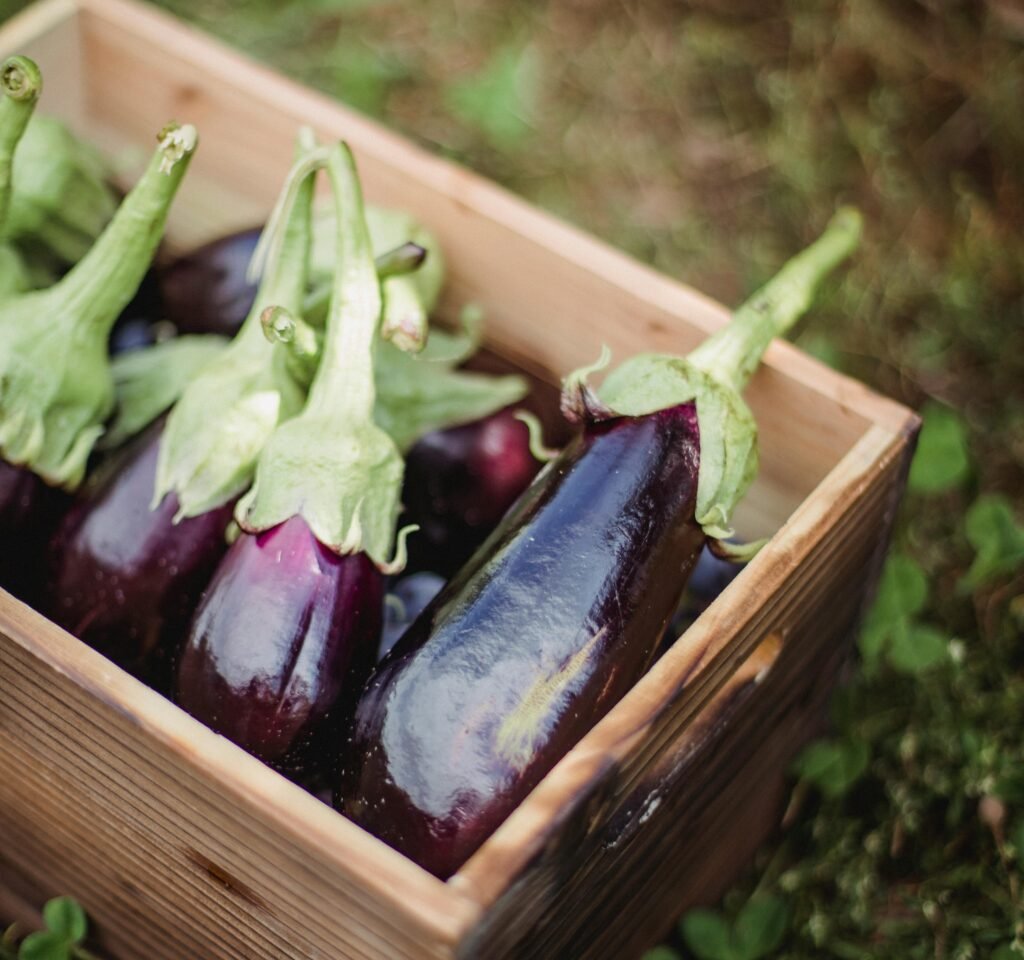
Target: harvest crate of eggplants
x=390, y=570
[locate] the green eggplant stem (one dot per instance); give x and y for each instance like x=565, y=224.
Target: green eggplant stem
x=21, y=83
x=332, y=464
x=344, y=384
x=57, y=385
x=222, y=420
x=102, y=283
x=297, y=338
x=400, y=261
x=732, y=354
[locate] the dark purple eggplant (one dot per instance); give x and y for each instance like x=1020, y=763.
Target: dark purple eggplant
x=710, y=576
x=126, y=578
x=562, y=609
x=129, y=563
x=206, y=291
x=288, y=631
x=286, y=628
x=28, y=511
x=605, y=536
x=406, y=599
x=460, y=482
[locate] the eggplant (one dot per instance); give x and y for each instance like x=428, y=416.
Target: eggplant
x=58, y=386
x=600, y=545
x=206, y=290
x=29, y=509
x=286, y=628
x=562, y=609
x=710, y=576
x=129, y=564
x=289, y=627
x=460, y=482
x=405, y=601
x=126, y=578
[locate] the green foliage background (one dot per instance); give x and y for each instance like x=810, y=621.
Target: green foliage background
x=713, y=139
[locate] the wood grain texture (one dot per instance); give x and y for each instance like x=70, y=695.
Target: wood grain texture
x=182, y=845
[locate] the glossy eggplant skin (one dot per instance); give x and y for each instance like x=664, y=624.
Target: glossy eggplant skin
x=459, y=483
x=126, y=579
x=206, y=291
x=551, y=622
x=286, y=633
x=28, y=511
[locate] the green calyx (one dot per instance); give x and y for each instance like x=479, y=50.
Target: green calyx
x=148, y=382
x=408, y=297
x=61, y=199
x=331, y=464
x=420, y=393
x=222, y=420
x=416, y=393
x=56, y=385
x=714, y=375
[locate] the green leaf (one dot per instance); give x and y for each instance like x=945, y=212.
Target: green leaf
x=44, y=945
x=148, y=382
x=1017, y=839
x=728, y=435
x=902, y=592
x=65, y=916
x=1005, y=952
x=760, y=927
x=872, y=641
x=942, y=461
x=500, y=100
x=915, y=648
x=997, y=539
x=661, y=953
x=833, y=766
x=707, y=935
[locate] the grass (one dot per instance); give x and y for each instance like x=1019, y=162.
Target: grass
x=711, y=140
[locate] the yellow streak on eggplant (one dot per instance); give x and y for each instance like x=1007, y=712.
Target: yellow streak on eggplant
x=515, y=739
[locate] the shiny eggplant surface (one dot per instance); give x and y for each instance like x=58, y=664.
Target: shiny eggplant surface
x=458, y=485
x=126, y=579
x=27, y=514
x=286, y=633
x=405, y=601
x=206, y=291
x=552, y=621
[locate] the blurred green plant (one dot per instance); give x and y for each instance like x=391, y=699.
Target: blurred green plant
x=66, y=926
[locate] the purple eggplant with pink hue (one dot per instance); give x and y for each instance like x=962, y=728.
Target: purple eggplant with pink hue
x=127, y=567
x=318, y=533
x=207, y=290
x=562, y=609
x=57, y=384
x=285, y=629
x=126, y=578
x=460, y=482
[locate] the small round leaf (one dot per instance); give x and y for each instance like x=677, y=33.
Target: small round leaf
x=708, y=935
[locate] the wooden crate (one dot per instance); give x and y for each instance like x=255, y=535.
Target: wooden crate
x=181, y=845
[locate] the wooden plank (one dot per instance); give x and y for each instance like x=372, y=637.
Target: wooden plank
x=49, y=33
x=166, y=769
